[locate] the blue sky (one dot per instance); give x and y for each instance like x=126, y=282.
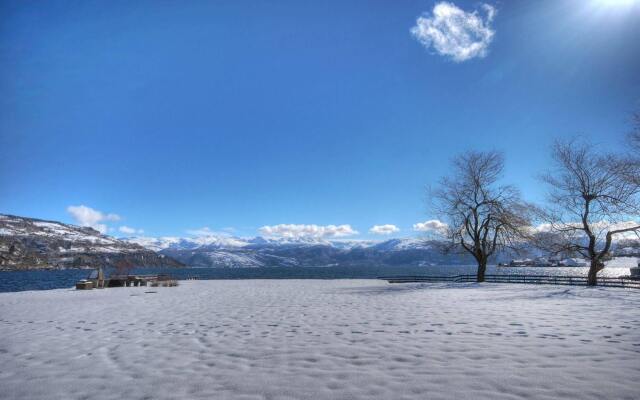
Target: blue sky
x=169, y=117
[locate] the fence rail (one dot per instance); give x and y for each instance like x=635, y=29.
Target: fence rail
x=528, y=279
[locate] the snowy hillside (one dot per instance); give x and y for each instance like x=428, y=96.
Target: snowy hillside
x=27, y=243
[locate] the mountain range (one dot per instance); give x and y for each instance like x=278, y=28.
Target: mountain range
x=231, y=252
x=29, y=243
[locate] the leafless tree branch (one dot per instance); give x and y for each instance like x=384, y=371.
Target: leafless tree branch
x=593, y=197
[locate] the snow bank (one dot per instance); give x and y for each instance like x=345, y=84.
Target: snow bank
x=306, y=339
x=622, y=262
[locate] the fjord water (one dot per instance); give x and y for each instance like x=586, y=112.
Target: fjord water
x=14, y=281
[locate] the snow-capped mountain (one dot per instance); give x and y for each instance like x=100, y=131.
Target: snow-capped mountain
x=28, y=243
x=228, y=251
x=231, y=242
x=177, y=243
x=404, y=244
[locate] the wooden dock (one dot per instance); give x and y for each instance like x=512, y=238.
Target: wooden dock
x=623, y=282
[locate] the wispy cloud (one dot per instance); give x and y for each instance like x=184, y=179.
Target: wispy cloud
x=127, y=230
x=431, y=226
x=315, y=231
x=206, y=231
x=87, y=216
x=386, y=229
x=455, y=33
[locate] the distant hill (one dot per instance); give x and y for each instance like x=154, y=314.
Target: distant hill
x=28, y=243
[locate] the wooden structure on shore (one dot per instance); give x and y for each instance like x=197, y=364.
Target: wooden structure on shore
x=98, y=280
x=130, y=280
x=623, y=282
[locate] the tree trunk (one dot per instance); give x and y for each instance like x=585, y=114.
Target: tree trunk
x=594, y=268
x=482, y=268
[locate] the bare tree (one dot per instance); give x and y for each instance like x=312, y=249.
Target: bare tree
x=633, y=138
x=483, y=216
x=592, y=199
x=633, y=145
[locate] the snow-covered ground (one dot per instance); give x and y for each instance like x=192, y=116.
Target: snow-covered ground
x=312, y=339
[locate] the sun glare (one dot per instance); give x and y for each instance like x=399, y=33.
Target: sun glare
x=612, y=8
x=614, y=3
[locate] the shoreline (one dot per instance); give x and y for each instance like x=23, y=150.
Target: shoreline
x=13, y=281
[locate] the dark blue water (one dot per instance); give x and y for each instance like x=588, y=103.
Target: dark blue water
x=14, y=281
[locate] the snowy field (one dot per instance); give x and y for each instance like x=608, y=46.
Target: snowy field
x=312, y=339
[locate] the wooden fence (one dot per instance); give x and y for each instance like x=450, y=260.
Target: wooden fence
x=528, y=279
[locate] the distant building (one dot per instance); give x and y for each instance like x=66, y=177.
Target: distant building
x=536, y=262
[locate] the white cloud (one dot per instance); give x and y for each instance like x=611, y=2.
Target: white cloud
x=87, y=216
x=314, y=231
x=599, y=228
x=433, y=225
x=386, y=229
x=130, y=231
x=455, y=33
x=204, y=231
